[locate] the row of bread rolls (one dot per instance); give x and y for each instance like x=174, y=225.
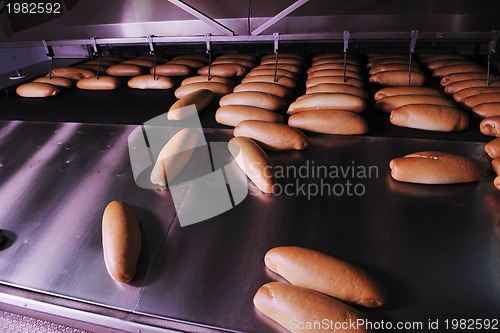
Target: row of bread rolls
x=320, y=288
x=392, y=70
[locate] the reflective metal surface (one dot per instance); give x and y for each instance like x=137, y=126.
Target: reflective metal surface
x=435, y=248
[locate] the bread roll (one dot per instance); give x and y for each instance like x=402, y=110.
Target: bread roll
x=452, y=69
x=254, y=162
x=433, y=65
x=125, y=70
x=99, y=83
x=232, y=115
x=219, y=89
x=446, y=80
x=104, y=63
x=282, y=55
x=282, y=60
x=334, y=79
x=204, y=78
x=174, y=156
x=292, y=68
x=245, y=56
x=283, y=80
x=60, y=82
x=390, y=103
x=337, y=88
x=232, y=61
x=112, y=58
x=329, y=122
x=382, y=56
x=335, y=72
x=396, y=91
x=272, y=136
x=279, y=72
x=492, y=148
x=386, y=61
x=93, y=68
x=328, y=101
x=325, y=274
x=151, y=57
x=431, y=167
x=333, y=65
x=472, y=101
x=398, y=78
x=434, y=57
x=333, y=55
x=73, y=73
x=459, y=96
x=293, y=306
x=148, y=81
x=486, y=110
x=121, y=241
x=196, y=57
x=171, y=70
x=457, y=86
x=224, y=70
x=430, y=117
x=200, y=98
x=490, y=126
x=193, y=63
x=349, y=61
x=254, y=98
x=139, y=62
x=267, y=87
x=392, y=67
x=37, y=89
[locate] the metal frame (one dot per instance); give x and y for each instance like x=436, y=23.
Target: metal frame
x=278, y=17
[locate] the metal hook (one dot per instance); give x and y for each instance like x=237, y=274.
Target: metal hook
x=50, y=53
x=208, y=44
x=153, y=53
x=97, y=54
x=346, y=36
x=491, y=49
x=276, y=39
x=413, y=44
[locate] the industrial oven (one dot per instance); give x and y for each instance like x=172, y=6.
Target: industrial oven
x=436, y=248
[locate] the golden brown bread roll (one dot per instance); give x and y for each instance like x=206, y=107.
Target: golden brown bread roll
x=292, y=307
x=171, y=70
x=427, y=58
x=282, y=55
x=390, y=103
x=392, y=67
x=272, y=136
x=292, y=68
x=94, y=68
x=121, y=241
x=283, y=61
x=151, y=57
x=432, y=167
x=149, y=81
x=174, y=156
x=325, y=274
x=433, y=65
x=203, y=58
x=452, y=69
x=219, y=89
x=245, y=56
x=329, y=122
x=279, y=72
x=486, y=110
x=324, y=61
x=104, y=63
x=490, y=126
x=125, y=70
x=488, y=97
x=191, y=62
x=334, y=79
x=267, y=87
x=204, y=78
x=381, y=56
x=457, y=86
x=254, y=98
x=492, y=148
x=60, y=82
x=224, y=70
x=335, y=72
x=333, y=65
x=328, y=101
x=430, y=117
x=200, y=98
x=99, y=83
x=242, y=62
x=113, y=58
x=139, y=62
x=459, y=96
x=73, y=73
x=232, y=115
x=395, y=91
x=398, y=78
x=283, y=80
x=333, y=55
x=37, y=89
x=446, y=80
x=253, y=161
x=386, y=61
x=337, y=88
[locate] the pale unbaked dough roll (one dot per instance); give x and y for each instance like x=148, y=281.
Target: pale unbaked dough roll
x=459, y=96
x=449, y=79
x=267, y=87
x=490, y=126
x=100, y=83
x=272, y=136
x=200, y=98
x=254, y=98
x=333, y=65
x=398, y=78
x=283, y=80
x=390, y=103
x=125, y=70
x=328, y=101
x=204, y=78
x=395, y=91
x=149, y=81
x=293, y=306
x=334, y=79
x=430, y=117
x=37, y=89
x=464, y=84
x=492, y=148
x=335, y=72
x=219, y=89
x=329, y=122
x=328, y=275
x=60, y=82
x=224, y=70
x=232, y=115
x=171, y=70
x=254, y=162
x=431, y=167
x=174, y=156
x=472, y=101
x=452, y=69
x=337, y=88
x=392, y=67
x=279, y=72
x=121, y=241
x=486, y=110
